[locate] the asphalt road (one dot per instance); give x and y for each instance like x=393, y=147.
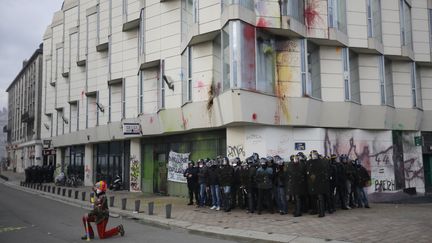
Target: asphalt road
x=26, y=217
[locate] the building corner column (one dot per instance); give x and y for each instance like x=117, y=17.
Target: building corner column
x=135, y=165
x=88, y=165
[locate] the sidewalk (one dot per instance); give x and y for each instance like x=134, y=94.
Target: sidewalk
x=381, y=223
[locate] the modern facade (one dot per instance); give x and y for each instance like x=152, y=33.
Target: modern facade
x=126, y=82
x=24, y=145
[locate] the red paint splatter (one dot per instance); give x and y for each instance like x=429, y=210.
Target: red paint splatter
x=311, y=14
x=249, y=32
x=262, y=23
x=200, y=84
x=184, y=121
x=254, y=116
x=151, y=120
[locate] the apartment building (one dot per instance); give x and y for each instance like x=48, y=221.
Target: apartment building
x=128, y=82
x=24, y=145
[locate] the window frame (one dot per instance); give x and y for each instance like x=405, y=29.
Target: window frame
x=383, y=83
x=189, y=76
x=346, y=73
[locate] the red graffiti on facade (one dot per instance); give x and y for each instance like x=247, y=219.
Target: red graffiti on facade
x=311, y=13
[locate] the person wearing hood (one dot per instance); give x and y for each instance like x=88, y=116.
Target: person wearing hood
x=191, y=174
x=264, y=178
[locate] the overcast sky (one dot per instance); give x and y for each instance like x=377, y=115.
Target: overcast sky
x=22, y=24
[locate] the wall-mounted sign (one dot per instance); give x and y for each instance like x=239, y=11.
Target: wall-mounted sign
x=418, y=141
x=131, y=129
x=46, y=143
x=300, y=146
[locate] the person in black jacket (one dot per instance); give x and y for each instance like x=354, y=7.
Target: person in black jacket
x=297, y=182
x=226, y=174
x=191, y=174
x=251, y=187
x=364, y=181
x=235, y=189
x=317, y=182
x=264, y=178
x=202, y=182
x=279, y=182
x=213, y=180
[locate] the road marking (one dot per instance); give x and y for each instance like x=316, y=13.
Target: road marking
x=9, y=229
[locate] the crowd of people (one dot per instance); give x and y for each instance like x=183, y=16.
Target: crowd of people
x=39, y=174
x=313, y=184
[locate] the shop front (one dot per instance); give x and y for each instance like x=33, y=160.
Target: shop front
x=112, y=159
x=155, y=154
x=74, y=161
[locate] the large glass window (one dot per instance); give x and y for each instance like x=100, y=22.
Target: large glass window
x=415, y=86
x=265, y=64
x=405, y=23
x=351, y=75
x=310, y=68
x=187, y=75
x=374, y=19
x=382, y=80
x=226, y=57
x=337, y=14
x=388, y=82
x=294, y=8
x=141, y=37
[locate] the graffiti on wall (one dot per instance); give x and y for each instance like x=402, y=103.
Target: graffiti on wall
x=87, y=172
x=135, y=170
x=412, y=164
x=375, y=155
x=236, y=151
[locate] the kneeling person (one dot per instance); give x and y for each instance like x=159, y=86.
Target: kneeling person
x=100, y=215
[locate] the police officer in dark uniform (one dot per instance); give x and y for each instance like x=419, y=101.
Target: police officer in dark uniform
x=264, y=184
x=244, y=177
x=251, y=186
x=317, y=182
x=236, y=182
x=226, y=175
x=330, y=197
x=297, y=182
x=280, y=186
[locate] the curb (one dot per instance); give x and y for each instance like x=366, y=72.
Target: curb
x=4, y=177
x=173, y=224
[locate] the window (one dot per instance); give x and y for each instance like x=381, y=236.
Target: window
x=294, y=8
x=374, y=19
x=187, y=75
x=405, y=23
x=310, y=69
x=141, y=37
x=240, y=48
x=382, y=80
x=125, y=10
x=195, y=11
x=430, y=29
x=249, y=4
x=97, y=24
x=265, y=65
x=161, y=85
x=123, y=100
x=351, y=75
x=415, y=86
x=141, y=92
x=388, y=82
x=337, y=15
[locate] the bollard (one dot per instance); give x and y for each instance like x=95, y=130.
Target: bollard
x=64, y=192
x=53, y=189
x=83, y=195
x=137, y=205
x=70, y=193
x=123, y=203
x=58, y=190
x=168, y=208
x=76, y=194
x=48, y=188
x=150, y=208
x=111, y=201
x=44, y=188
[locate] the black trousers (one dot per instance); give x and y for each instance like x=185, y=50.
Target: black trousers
x=193, y=189
x=265, y=196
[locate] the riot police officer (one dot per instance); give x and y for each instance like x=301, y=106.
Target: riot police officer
x=317, y=182
x=264, y=184
x=297, y=182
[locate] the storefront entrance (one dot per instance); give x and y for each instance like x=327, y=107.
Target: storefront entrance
x=160, y=169
x=427, y=165
x=112, y=159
